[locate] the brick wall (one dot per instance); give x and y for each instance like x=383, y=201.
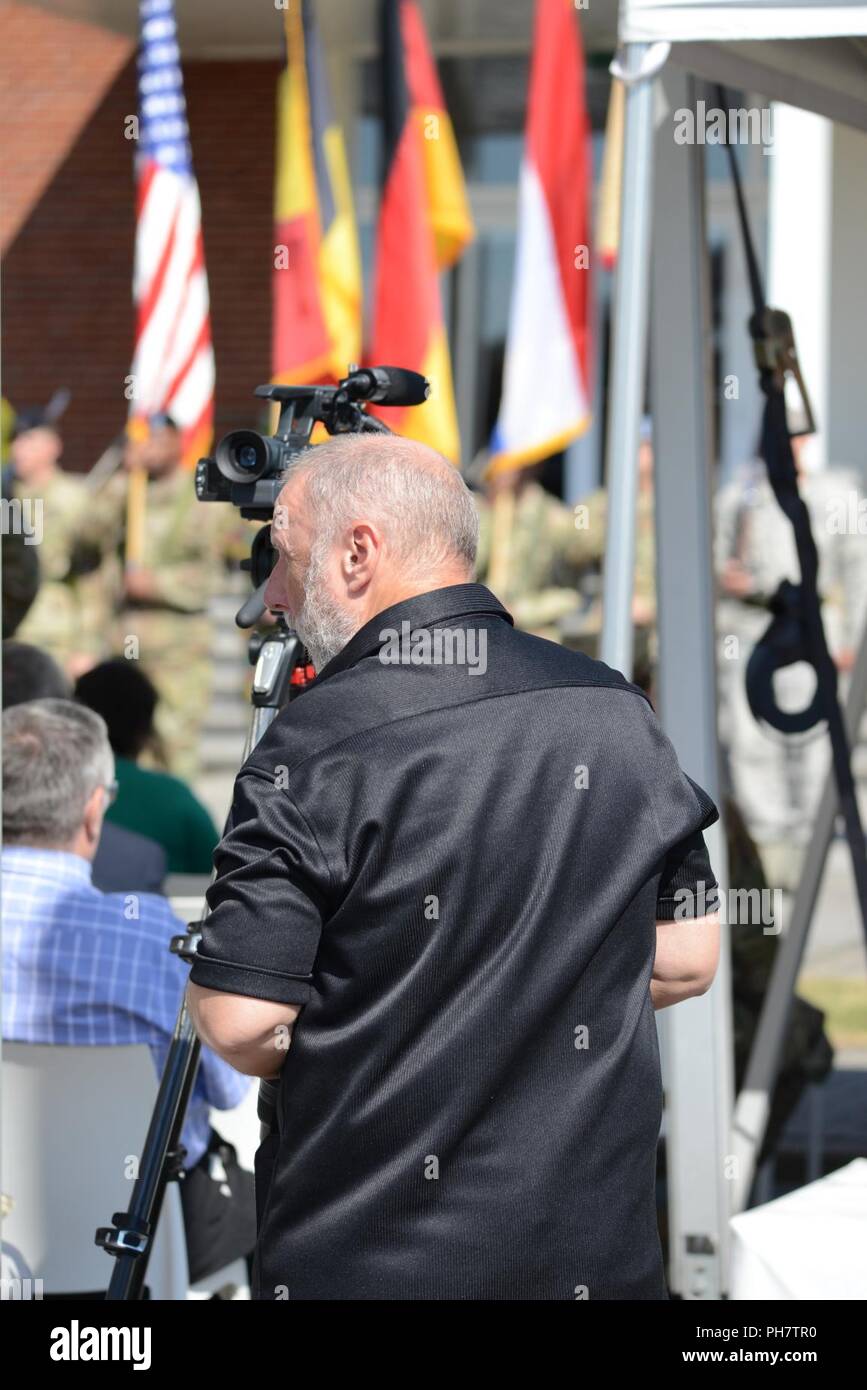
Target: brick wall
x=53, y=73
x=67, y=273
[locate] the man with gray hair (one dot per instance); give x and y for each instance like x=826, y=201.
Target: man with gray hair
x=81, y=967
x=450, y=898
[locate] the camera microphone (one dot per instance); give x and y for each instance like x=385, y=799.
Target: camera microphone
x=387, y=386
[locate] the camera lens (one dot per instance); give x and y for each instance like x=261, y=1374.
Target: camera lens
x=244, y=456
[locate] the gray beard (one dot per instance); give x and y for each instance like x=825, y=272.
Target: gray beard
x=323, y=626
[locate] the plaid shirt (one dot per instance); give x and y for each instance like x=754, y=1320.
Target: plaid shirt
x=85, y=968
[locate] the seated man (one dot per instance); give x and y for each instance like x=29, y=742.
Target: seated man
x=83, y=967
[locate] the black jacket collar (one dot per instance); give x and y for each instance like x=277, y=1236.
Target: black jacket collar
x=422, y=610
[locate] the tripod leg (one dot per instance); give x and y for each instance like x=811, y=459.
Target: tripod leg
x=131, y=1236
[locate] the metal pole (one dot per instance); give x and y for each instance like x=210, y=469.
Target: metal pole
x=628, y=362
x=467, y=338
x=697, y=1034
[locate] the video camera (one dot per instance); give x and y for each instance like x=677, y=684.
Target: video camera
x=247, y=466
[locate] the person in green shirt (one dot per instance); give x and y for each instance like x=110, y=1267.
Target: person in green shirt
x=150, y=802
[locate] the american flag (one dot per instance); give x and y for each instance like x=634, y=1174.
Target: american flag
x=173, y=362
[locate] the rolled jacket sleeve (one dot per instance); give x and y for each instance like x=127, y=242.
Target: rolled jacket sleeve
x=268, y=901
x=688, y=887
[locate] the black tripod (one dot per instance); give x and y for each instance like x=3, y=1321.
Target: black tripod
x=282, y=671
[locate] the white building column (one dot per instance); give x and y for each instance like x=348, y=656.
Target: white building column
x=800, y=248
x=847, y=398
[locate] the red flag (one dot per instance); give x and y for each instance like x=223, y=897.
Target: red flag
x=424, y=224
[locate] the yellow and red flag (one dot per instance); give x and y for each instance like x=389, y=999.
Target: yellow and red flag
x=316, y=328
x=424, y=225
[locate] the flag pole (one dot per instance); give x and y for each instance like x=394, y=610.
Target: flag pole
x=136, y=512
x=136, y=500
x=628, y=362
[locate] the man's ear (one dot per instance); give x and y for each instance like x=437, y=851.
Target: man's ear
x=94, y=811
x=361, y=556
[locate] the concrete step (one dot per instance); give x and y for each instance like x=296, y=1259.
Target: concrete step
x=222, y=751
x=231, y=683
x=223, y=612
x=228, y=715
x=228, y=642
x=227, y=711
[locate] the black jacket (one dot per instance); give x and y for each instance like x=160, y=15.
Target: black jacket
x=457, y=869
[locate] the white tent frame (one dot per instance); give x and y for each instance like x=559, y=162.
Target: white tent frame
x=812, y=56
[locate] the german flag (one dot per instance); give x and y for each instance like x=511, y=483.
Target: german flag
x=316, y=328
x=424, y=225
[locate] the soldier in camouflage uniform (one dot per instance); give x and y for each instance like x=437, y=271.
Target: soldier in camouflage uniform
x=585, y=634
x=53, y=620
x=162, y=602
x=541, y=559
x=533, y=549
x=777, y=779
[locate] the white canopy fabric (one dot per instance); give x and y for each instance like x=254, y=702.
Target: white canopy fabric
x=690, y=21
x=809, y=55
x=806, y=1246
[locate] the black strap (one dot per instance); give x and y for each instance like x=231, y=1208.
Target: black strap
x=802, y=600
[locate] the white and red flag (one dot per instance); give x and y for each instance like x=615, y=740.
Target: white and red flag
x=546, y=392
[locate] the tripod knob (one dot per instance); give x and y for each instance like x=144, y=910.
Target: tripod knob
x=187, y=946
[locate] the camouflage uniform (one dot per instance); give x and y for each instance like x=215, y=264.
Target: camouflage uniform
x=585, y=635
x=170, y=633
x=53, y=621
x=532, y=550
x=536, y=554
x=777, y=779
